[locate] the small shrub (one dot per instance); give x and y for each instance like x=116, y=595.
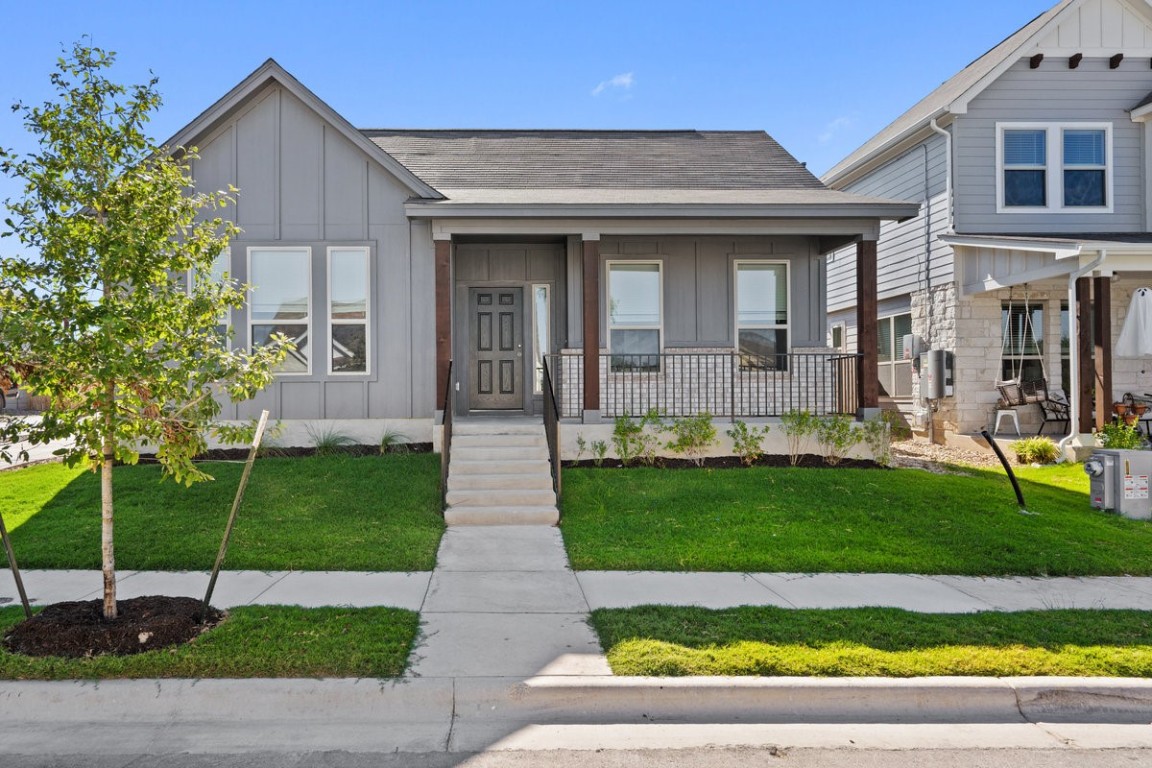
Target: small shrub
x=746, y=442
x=1119, y=436
x=836, y=434
x=798, y=427
x=692, y=436
x=632, y=439
x=393, y=442
x=327, y=440
x=599, y=451
x=581, y=447
x=877, y=435
x=1035, y=450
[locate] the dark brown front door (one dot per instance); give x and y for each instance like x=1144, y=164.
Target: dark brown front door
x=496, y=338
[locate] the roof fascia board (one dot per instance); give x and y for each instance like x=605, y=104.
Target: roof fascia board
x=881, y=211
x=890, y=151
x=270, y=70
x=863, y=228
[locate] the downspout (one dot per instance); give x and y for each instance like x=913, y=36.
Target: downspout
x=1074, y=352
x=929, y=315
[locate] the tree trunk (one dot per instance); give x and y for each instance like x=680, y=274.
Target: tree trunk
x=108, y=553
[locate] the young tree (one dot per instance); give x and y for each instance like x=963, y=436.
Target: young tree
x=111, y=308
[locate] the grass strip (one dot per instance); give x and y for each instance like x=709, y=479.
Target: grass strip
x=885, y=642
x=253, y=641
x=377, y=513
x=765, y=519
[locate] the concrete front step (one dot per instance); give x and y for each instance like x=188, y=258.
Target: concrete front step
x=539, y=481
x=538, y=515
x=498, y=453
x=480, y=427
x=499, y=441
x=461, y=466
x=501, y=497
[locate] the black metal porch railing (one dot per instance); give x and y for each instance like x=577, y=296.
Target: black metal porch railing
x=725, y=384
x=552, y=431
x=449, y=403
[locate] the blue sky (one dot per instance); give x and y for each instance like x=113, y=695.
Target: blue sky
x=820, y=77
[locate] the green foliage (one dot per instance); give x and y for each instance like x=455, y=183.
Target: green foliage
x=747, y=441
x=393, y=442
x=798, y=427
x=1120, y=436
x=253, y=641
x=635, y=440
x=581, y=447
x=836, y=434
x=877, y=435
x=765, y=640
x=110, y=308
x=327, y=440
x=1035, y=450
x=692, y=436
x=599, y=452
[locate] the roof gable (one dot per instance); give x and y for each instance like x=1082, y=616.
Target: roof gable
x=270, y=71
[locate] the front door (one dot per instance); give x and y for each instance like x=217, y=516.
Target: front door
x=496, y=341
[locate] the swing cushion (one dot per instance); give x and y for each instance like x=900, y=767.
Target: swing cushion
x=1014, y=393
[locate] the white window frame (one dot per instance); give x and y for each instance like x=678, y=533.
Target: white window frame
x=309, y=320
x=1054, y=167
x=225, y=255
x=658, y=327
x=843, y=345
x=736, y=325
x=538, y=354
x=366, y=322
x=897, y=358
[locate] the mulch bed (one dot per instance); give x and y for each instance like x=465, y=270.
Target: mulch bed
x=272, y=451
x=78, y=629
x=808, y=461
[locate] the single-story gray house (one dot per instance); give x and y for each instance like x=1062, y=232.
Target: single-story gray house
x=424, y=270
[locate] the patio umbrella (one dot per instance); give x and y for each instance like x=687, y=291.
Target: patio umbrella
x=1136, y=335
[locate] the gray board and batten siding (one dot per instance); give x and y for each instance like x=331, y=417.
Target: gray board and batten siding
x=304, y=184
x=1091, y=93
x=900, y=254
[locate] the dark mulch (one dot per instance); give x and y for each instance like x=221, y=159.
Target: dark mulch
x=78, y=629
x=234, y=454
x=809, y=461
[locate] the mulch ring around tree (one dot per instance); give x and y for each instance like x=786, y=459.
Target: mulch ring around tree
x=79, y=630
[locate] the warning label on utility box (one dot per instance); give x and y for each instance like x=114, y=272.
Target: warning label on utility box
x=1135, y=486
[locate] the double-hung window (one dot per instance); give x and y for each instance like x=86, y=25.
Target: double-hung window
x=894, y=371
x=1048, y=168
x=348, y=292
x=762, y=314
x=635, y=314
x=281, y=302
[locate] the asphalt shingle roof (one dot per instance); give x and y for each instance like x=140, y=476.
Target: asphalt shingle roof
x=595, y=160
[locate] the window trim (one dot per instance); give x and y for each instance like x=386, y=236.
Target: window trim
x=310, y=319
x=736, y=326
x=225, y=255
x=366, y=322
x=843, y=345
x=897, y=343
x=539, y=354
x=1054, y=167
x=659, y=327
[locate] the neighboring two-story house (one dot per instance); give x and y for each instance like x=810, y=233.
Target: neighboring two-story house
x=1032, y=169
x=424, y=270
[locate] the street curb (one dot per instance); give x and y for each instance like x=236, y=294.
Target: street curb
x=586, y=700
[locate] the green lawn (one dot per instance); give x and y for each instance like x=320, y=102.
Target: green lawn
x=254, y=641
x=379, y=513
x=846, y=520
x=668, y=641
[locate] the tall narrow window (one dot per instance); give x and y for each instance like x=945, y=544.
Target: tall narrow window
x=281, y=301
x=762, y=314
x=541, y=333
x=348, y=290
x=1023, y=342
x=1084, y=168
x=1025, y=168
x=894, y=371
x=221, y=268
x=634, y=315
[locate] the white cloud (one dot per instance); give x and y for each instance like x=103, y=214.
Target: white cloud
x=623, y=82
x=834, y=128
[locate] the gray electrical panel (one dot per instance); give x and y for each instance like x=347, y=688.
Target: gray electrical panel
x=937, y=374
x=1118, y=482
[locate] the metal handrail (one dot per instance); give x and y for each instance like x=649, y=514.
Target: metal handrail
x=552, y=431
x=726, y=384
x=446, y=438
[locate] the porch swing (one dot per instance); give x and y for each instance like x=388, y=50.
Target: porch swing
x=1016, y=392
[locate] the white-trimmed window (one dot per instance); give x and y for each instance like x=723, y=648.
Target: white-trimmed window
x=836, y=337
x=281, y=302
x=894, y=371
x=1042, y=167
x=348, y=309
x=221, y=268
x=635, y=314
x=541, y=332
x=762, y=314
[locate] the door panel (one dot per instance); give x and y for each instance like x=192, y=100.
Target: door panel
x=496, y=338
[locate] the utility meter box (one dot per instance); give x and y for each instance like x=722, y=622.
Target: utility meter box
x=937, y=374
x=1118, y=482
x=911, y=346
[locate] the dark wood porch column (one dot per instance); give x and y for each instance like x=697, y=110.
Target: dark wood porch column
x=868, y=371
x=1083, y=341
x=591, y=292
x=443, y=318
x=1102, y=338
